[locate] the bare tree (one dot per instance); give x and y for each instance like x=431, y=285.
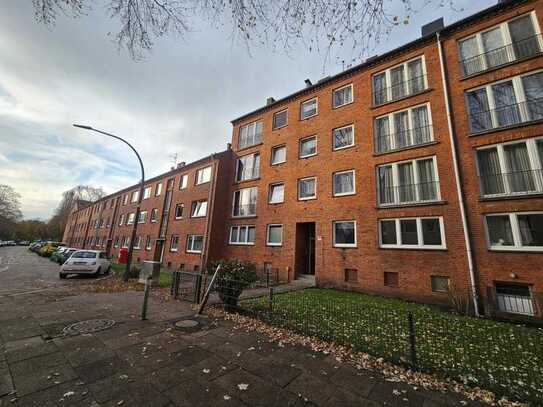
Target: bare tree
x=10, y=211
x=320, y=25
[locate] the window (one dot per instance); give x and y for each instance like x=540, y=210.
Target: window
x=250, y=134
x=276, y=193
x=154, y=215
x=343, y=137
x=179, y=210
x=158, y=189
x=344, y=183
x=280, y=119
x=345, y=233
x=514, y=298
x=142, y=217
x=308, y=146
x=116, y=242
x=125, y=199
x=195, y=243
x=515, y=231
x=399, y=81
x=126, y=241
x=130, y=219
x=308, y=109
x=513, y=168
x=242, y=234
x=408, y=182
x=147, y=193
x=307, y=188
x=137, y=242
x=135, y=196
x=506, y=103
x=174, y=243
x=248, y=167
x=278, y=155
x=184, y=181
x=274, y=235
x=203, y=175
x=351, y=275
x=148, y=243
x=245, y=202
x=198, y=209
x=404, y=128
x=499, y=45
x=412, y=233
x=112, y=203
x=342, y=96
x=440, y=284
x=391, y=279
x=121, y=219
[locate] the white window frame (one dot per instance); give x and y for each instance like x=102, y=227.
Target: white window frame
x=158, y=189
x=268, y=243
x=420, y=237
x=182, y=205
x=172, y=247
x=350, y=85
x=392, y=127
x=115, y=241
x=126, y=241
x=515, y=230
x=154, y=210
x=314, y=136
x=536, y=163
x=270, y=193
x=147, y=192
x=405, y=79
x=334, y=148
x=239, y=192
x=316, y=99
x=135, y=196
x=273, y=119
x=395, y=177
x=196, y=207
x=253, y=175
x=238, y=242
x=137, y=241
x=334, y=193
x=190, y=244
x=346, y=245
x=310, y=197
x=201, y=177
x=148, y=244
x=256, y=140
x=275, y=148
x=184, y=181
x=131, y=218
x=125, y=199
x=142, y=217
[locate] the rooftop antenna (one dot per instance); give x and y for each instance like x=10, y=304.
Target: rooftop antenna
x=173, y=158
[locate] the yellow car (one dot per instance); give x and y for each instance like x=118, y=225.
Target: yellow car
x=49, y=247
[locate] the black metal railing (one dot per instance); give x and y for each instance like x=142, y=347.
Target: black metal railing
x=512, y=183
x=507, y=115
x=248, y=173
x=250, y=140
x=399, y=90
x=521, y=49
x=408, y=193
x=244, y=210
x=402, y=139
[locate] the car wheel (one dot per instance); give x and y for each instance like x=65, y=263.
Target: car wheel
x=62, y=276
x=97, y=272
x=108, y=270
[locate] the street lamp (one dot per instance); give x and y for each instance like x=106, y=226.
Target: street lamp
x=140, y=196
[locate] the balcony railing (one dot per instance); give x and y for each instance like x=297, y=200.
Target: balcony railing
x=248, y=173
x=521, y=49
x=507, y=115
x=399, y=90
x=403, y=139
x=244, y=210
x=512, y=183
x=408, y=193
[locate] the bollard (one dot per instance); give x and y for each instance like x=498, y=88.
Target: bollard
x=148, y=282
x=412, y=341
x=270, y=303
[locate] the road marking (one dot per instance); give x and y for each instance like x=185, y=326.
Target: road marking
x=26, y=292
x=4, y=269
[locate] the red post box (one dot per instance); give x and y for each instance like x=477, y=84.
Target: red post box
x=123, y=255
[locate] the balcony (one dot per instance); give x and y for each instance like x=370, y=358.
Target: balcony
x=512, y=183
x=507, y=115
x=403, y=139
x=244, y=210
x=521, y=49
x=399, y=90
x=248, y=173
x=408, y=194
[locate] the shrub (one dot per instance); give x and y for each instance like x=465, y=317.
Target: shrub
x=233, y=277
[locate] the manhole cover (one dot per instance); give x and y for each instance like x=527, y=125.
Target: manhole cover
x=85, y=327
x=187, y=323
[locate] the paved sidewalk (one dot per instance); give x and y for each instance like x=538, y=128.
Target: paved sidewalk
x=152, y=363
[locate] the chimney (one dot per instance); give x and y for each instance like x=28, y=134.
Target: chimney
x=308, y=83
x=270, y=101
x=433, y=27
x=181, y=164
x=229, y=146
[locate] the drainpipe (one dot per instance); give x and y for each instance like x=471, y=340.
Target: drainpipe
x=209, y=218
x=469, y=254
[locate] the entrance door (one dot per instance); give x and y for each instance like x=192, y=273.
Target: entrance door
x=305, y=248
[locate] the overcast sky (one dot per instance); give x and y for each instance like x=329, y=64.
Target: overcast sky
x=180, y=99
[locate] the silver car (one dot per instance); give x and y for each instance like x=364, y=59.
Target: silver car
x=93, y=262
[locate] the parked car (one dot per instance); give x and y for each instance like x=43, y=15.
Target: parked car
x=65, y=255
x=24, y=243
x=57, y=253
x=49, y=247
x=92, y=262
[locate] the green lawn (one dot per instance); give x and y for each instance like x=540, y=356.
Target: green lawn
x=502, y=357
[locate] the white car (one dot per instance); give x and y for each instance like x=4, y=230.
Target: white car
x=92, y=262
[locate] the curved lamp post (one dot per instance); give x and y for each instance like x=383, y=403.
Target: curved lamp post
x=140, y=195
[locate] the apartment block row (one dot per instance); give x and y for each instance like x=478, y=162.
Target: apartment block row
x=416, y=174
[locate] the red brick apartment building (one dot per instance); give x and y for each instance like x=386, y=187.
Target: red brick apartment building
x=415, y=174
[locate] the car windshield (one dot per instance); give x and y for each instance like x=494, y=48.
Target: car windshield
x=84, y=255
